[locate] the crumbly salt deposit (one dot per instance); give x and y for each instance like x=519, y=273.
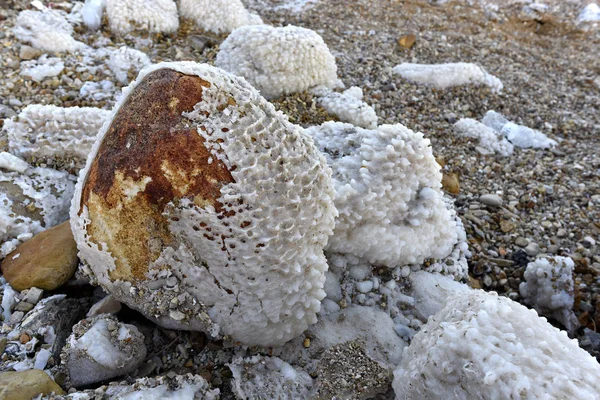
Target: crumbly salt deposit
x=46, y=131
x=484, y=346
x=280, y=60
x=92, y=12
x=443, y=76
x=125, y=16
x=124, y=59
x=488, y=138
x=348, y=106
x=262, y=377
x=267, y=286
x=42, y=68
x=518, y=135
x=549, y=288
x=218, y=16
x=388, y=193
x=589, y=13
x=31, y=202
x=48, y=30
x=98, y=91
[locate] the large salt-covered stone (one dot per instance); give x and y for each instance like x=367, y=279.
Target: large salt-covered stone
x=204, y=208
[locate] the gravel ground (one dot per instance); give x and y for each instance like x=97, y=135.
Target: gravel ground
x=551, y=75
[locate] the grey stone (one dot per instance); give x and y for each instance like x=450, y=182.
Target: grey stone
x=491, y=200
x=108, y=305
x=521, y=242
x=33, y=295
x=532, y=249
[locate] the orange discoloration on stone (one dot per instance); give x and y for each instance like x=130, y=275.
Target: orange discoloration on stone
x=149, y=157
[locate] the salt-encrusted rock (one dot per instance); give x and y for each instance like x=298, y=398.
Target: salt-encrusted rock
x=198, y=184
x=348, y=106
x=489, y=347
x=31, y=202
x=102, y=348
x=278, y=61
x=47, y=30
x=518, y=135
x=549, y=288
x=262, y=377
x=47, y=261
x=345, y=371
x=91, y=13
x=589, y=14
x=388, y=193
x=489, y=139
x=218, y=16
x=26, y=385
x=126, y=59
x=50, y=132
x=42, y=68
x=125, y=16
x=431, y=292
x=443, y=76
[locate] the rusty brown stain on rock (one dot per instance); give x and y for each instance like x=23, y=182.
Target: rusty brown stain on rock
x=149, y=157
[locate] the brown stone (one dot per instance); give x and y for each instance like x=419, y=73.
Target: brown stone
x=450, y=183
x=25, y=385
x=407, y=41
x=46, y=261
x=149, y=157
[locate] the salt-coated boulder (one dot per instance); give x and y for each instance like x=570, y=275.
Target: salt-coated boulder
x=484, y=346
x=280, y=60
x=204, y=208
x=218, y=16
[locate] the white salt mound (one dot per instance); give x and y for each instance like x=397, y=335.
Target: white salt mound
x=348, y=106
x=47, y=30
x=125, y=16
x=218, y=16
x=443, y=76
x=46, y=131
x=489, y=139
x=518, y=135
x=388, y=194
x=481, y=346
x=549, y=288
x=278, y=61
x=92, y=12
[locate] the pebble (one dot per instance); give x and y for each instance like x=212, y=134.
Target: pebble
x=532, y=249
x=33, y=295
x=29, y=53
x=521, y=242
x=491, y=200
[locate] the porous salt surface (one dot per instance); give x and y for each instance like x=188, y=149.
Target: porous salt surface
x=443, y=76
x=218, y=16
x=48, y=30
x=125, y=16
x=279, y=60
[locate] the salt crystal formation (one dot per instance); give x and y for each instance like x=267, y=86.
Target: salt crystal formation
x=199, y=194
x=278, y=61
x=218, y=16
x=124, y=59
x=488, y=347
x=102, y=348
x=549, y=288
x=489, y=139
x=388, y=193
x=443, y=76
x=348, y=106
x=45, y=131
x=125, y=16
x=42, y=68
x=47, y=30
x=31, y=201
x=519, y=135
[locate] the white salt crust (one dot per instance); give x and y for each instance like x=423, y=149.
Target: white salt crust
x=48, y=30
x=489, y=139
x=348, y=106
x=267, y=286
x=218, y=16
x=124, y=59
x=388, y=193
x=125, y=16
x=278, y=61
x=518, y=135
x=46, y=131
x=443, y=76
x=488, y=347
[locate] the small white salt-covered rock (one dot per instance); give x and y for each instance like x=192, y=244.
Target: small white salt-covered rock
x=262, y=377
x=197, y=184
x=443, y=76
x=488, y=138
x=102, y=348
x=518, y=135
x=218, y=16
x=126, y=59
x=589, y=14
x=348, y=106
x=92, y=12
x=549, y=288
x=48, y=30
x=13, y=163
x=388, y=193
x=278, y=61
x=484, y=346
x=125, y=16
x=42, y=68
x=46, y=131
